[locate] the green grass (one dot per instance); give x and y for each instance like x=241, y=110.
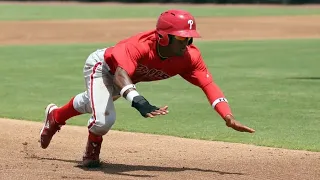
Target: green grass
x=272, y=86
x=47, y=12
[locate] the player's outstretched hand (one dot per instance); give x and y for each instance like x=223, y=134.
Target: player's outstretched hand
x=231, y=122
x=158, y=112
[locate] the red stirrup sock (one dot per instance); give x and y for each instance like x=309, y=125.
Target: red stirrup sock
x=62, y=114
x=95, y=138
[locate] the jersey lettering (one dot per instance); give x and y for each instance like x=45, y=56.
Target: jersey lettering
x=151, y=73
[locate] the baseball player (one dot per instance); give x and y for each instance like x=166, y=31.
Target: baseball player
x=113, y=72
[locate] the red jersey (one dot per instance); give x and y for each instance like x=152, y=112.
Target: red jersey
x=139, y=57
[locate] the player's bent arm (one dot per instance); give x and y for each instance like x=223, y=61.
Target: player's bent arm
x=123, y=81
x=114, y=98
x=129, y=92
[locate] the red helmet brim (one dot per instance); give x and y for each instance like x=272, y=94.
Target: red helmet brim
x=187, y=33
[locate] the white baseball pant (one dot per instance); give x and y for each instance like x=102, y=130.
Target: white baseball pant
x=97, y=99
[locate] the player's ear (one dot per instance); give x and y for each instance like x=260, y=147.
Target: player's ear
x=170, y=38
x=190, y=41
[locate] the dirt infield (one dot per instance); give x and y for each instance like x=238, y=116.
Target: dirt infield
x=92, y=31
x=143, y=156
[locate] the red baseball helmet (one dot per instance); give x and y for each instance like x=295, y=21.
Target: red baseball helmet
x=178, y=23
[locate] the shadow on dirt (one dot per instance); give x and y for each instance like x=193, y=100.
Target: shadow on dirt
x=122, y=169
x=112, y=168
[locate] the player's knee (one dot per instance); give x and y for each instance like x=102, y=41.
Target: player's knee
x=81, y=103
x=102, y=127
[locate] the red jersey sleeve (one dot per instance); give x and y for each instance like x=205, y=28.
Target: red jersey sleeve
x=126, y=56
x=197, y=74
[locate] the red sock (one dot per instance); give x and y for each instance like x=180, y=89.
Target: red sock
x=62, y=114
x=95, y=138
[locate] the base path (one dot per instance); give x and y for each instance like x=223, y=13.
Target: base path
x=142, y=156
x=114, y=30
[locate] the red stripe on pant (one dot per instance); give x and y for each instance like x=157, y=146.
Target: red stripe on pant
x=91, y=93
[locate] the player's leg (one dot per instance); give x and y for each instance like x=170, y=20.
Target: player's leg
x=100, y=91
x=56, y=117
x=101, y=121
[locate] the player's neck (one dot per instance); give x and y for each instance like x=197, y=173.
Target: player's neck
x=163, y=52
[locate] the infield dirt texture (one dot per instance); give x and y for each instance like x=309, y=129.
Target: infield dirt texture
x=141, y=156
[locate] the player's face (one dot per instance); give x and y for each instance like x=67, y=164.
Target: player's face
x=179, y=45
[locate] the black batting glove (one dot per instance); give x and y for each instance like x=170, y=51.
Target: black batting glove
x=143, y=106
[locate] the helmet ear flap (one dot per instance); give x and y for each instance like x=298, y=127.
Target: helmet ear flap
x=190, y=41
x=163, y=40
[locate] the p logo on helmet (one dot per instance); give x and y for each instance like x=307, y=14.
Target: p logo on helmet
x=178, y=23
x=191, y=23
